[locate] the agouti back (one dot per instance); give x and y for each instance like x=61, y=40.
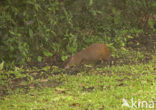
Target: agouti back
x=91, y=54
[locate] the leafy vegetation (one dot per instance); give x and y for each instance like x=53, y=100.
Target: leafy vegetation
x=32, y=30
x=37, y=36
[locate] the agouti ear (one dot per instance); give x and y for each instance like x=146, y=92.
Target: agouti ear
x=69, y=58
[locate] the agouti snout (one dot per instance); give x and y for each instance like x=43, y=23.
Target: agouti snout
x=91, y=54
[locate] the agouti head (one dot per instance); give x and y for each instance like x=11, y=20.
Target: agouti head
x=91, y=54
x=73, y=60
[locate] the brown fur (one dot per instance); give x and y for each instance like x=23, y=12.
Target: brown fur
x=91, y=54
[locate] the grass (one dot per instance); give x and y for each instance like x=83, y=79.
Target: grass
x=96, y=89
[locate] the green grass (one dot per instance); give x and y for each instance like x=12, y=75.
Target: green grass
x=97, y=89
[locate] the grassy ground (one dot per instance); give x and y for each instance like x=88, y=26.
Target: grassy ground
x=90, y=89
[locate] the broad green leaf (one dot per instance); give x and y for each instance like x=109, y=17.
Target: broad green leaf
x=91, y=2
x=30, y=32
x=39, y=58
x=64, y=58
x=11, y=32
x=1, y=65
x=47, y=53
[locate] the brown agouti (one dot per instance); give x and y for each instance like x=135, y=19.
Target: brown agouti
x=91, y=54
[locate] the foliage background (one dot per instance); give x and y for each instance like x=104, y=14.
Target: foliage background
x=33, y=29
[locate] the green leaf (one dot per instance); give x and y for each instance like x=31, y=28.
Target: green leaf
x=46, y=68
x=30, y=32
x=64, y=58
x=1, y=65
x=11, y=32
x=153, y=4
x=39, y=58
x=37, y=6
x=90, y=2
x=47, y=53
x=151, y=23
x=113, y=10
